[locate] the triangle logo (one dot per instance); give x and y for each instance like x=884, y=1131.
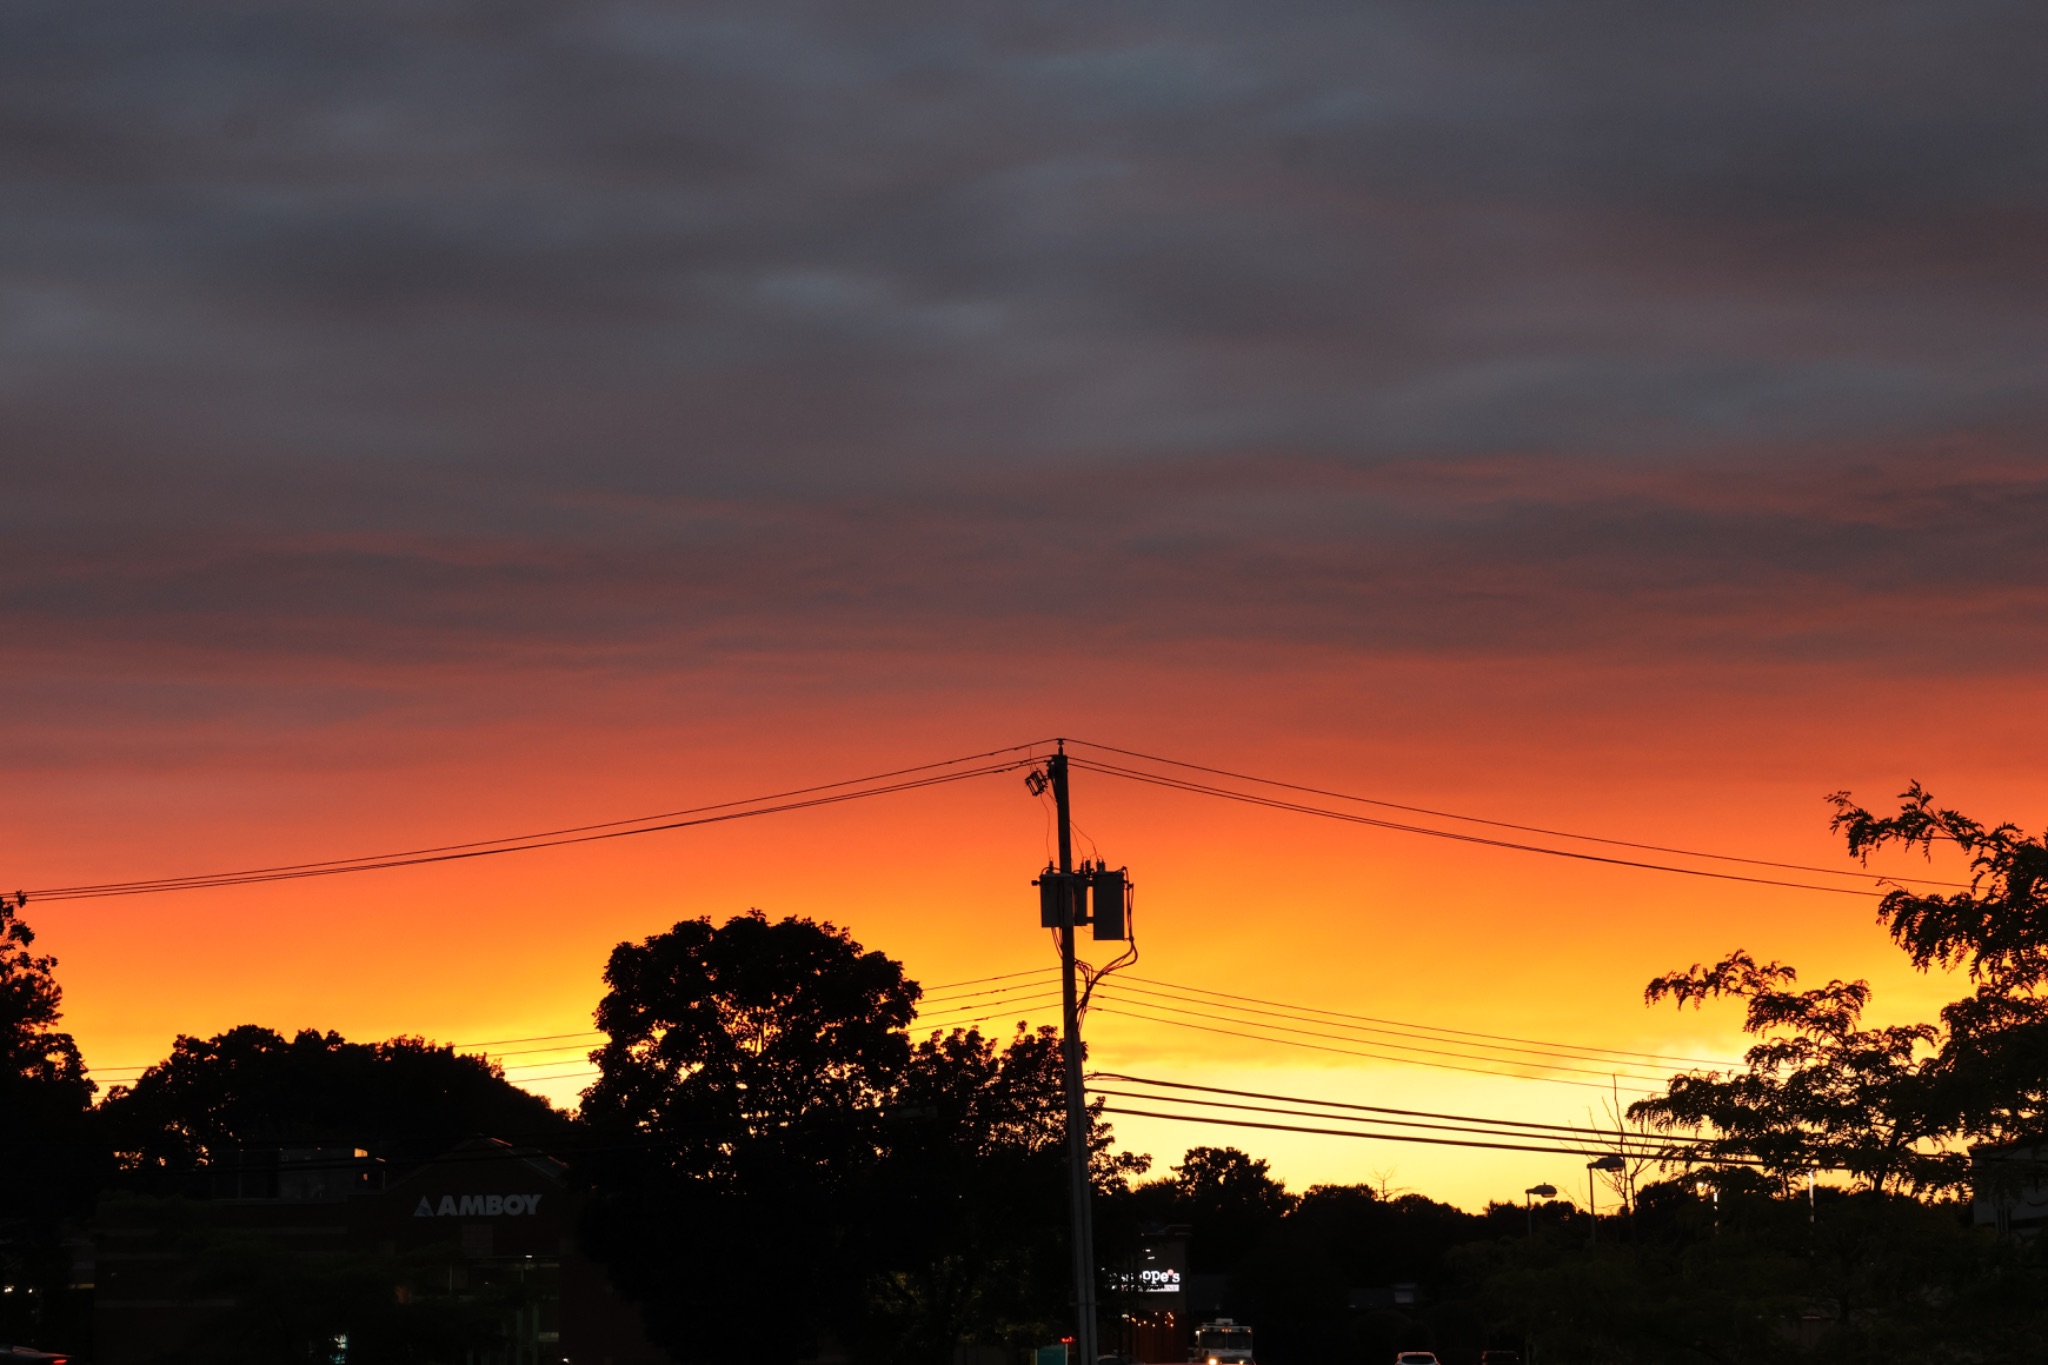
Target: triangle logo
x=425, y=1210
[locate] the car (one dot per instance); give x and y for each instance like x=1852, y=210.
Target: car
x=1416, y=1358
x=28, y=1355
x=1500, y=1358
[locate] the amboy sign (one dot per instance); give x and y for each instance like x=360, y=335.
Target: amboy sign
x=477, y=1206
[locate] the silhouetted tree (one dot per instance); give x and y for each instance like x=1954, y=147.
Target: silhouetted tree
x=739, y=1103
x=404, y=1100
x=969, y=1210
x=48, y=1163
x=1230, y=1199
x=1892, y=1106
x=1990, y=1080
x=1729, y=1266
x=1818, y=1090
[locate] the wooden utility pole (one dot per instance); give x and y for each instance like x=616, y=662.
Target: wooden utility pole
x=1077, y=1100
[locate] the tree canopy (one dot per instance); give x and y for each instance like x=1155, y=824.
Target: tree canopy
x=1990, y=1079
x=49, y=1165
x=1819, y=1089
x=1893, y=1107
x=40, y=1067
x=737, y=1111
x=404, y=1100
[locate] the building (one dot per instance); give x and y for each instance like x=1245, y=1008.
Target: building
x=481, y=1239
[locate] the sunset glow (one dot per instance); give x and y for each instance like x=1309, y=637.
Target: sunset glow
x=509, y=424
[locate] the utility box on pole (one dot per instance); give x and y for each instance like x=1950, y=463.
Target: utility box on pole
x=1109, y=889
x=1062, y=898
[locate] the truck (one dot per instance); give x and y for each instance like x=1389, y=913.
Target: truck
x=1222, y=1342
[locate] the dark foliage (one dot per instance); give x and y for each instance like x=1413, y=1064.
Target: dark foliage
x=969, y=1210
x=1230, y=1200
x=51, y=1164
x=1990, y=1080
x=299, y=1309
x=1860, y=1277
x=740, y=1111
x=1819, y=1089
x=1893, y=1107
x=1316, y=1273
x=1729, y=1263
x=404, y=1101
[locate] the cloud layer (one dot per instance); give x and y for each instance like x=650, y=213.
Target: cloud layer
x=660, y=333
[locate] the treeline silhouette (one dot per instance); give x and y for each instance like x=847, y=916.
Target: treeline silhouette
x=775, y=1161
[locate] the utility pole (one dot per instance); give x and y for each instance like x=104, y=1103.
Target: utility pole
x=1077, y=1101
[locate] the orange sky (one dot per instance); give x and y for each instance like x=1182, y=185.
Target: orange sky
x=425, y=428
x=1254, y=902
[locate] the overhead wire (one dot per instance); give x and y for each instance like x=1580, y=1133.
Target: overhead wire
x=1357, y=1052
x=1507, y=824
x=989, y=1009
x=716, y=813
x=1586, y=1139
x=489, y=1047
x=1475, y=1056
x=1022, y=998
x=1351, y=817
x=1159, y=1084
x=1641, y=1147
x=1431, y=1030
x=776, y=803
x=1351, y=1133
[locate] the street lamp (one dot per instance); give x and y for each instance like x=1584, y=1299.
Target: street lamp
x=1610, y=1162
x=1529, y=1202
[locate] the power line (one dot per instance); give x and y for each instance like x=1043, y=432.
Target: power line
x=1024, y=997
x=1346, y=1132
x=1619, y=1063
x=789, y=801
x=576, y=835
x=993, y=990
x=562, y=1076
x=1358, y=1052
x=1504, y=824
x=1656, y=1057
x=995, y=1007
x=1348, y=817
x=1633, y=1145
x=1328, y=1104
x=487, y=1048
x=1399, y=1047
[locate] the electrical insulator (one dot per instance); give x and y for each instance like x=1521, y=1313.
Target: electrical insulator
x=1110, y=890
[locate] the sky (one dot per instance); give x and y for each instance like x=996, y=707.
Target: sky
x=434, y=421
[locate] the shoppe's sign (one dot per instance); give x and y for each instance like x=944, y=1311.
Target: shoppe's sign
x=477, y=1206
x=1160, y=1281
x=1150, y=1280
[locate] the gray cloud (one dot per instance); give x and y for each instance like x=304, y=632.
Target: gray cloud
x=409, y=332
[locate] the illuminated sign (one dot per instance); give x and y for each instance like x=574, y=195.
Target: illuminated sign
x=1151, y=1280
x=477, y=1206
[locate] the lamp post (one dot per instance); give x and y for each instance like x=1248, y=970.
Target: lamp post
x=1529, y=1203
x=1610, y=1162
